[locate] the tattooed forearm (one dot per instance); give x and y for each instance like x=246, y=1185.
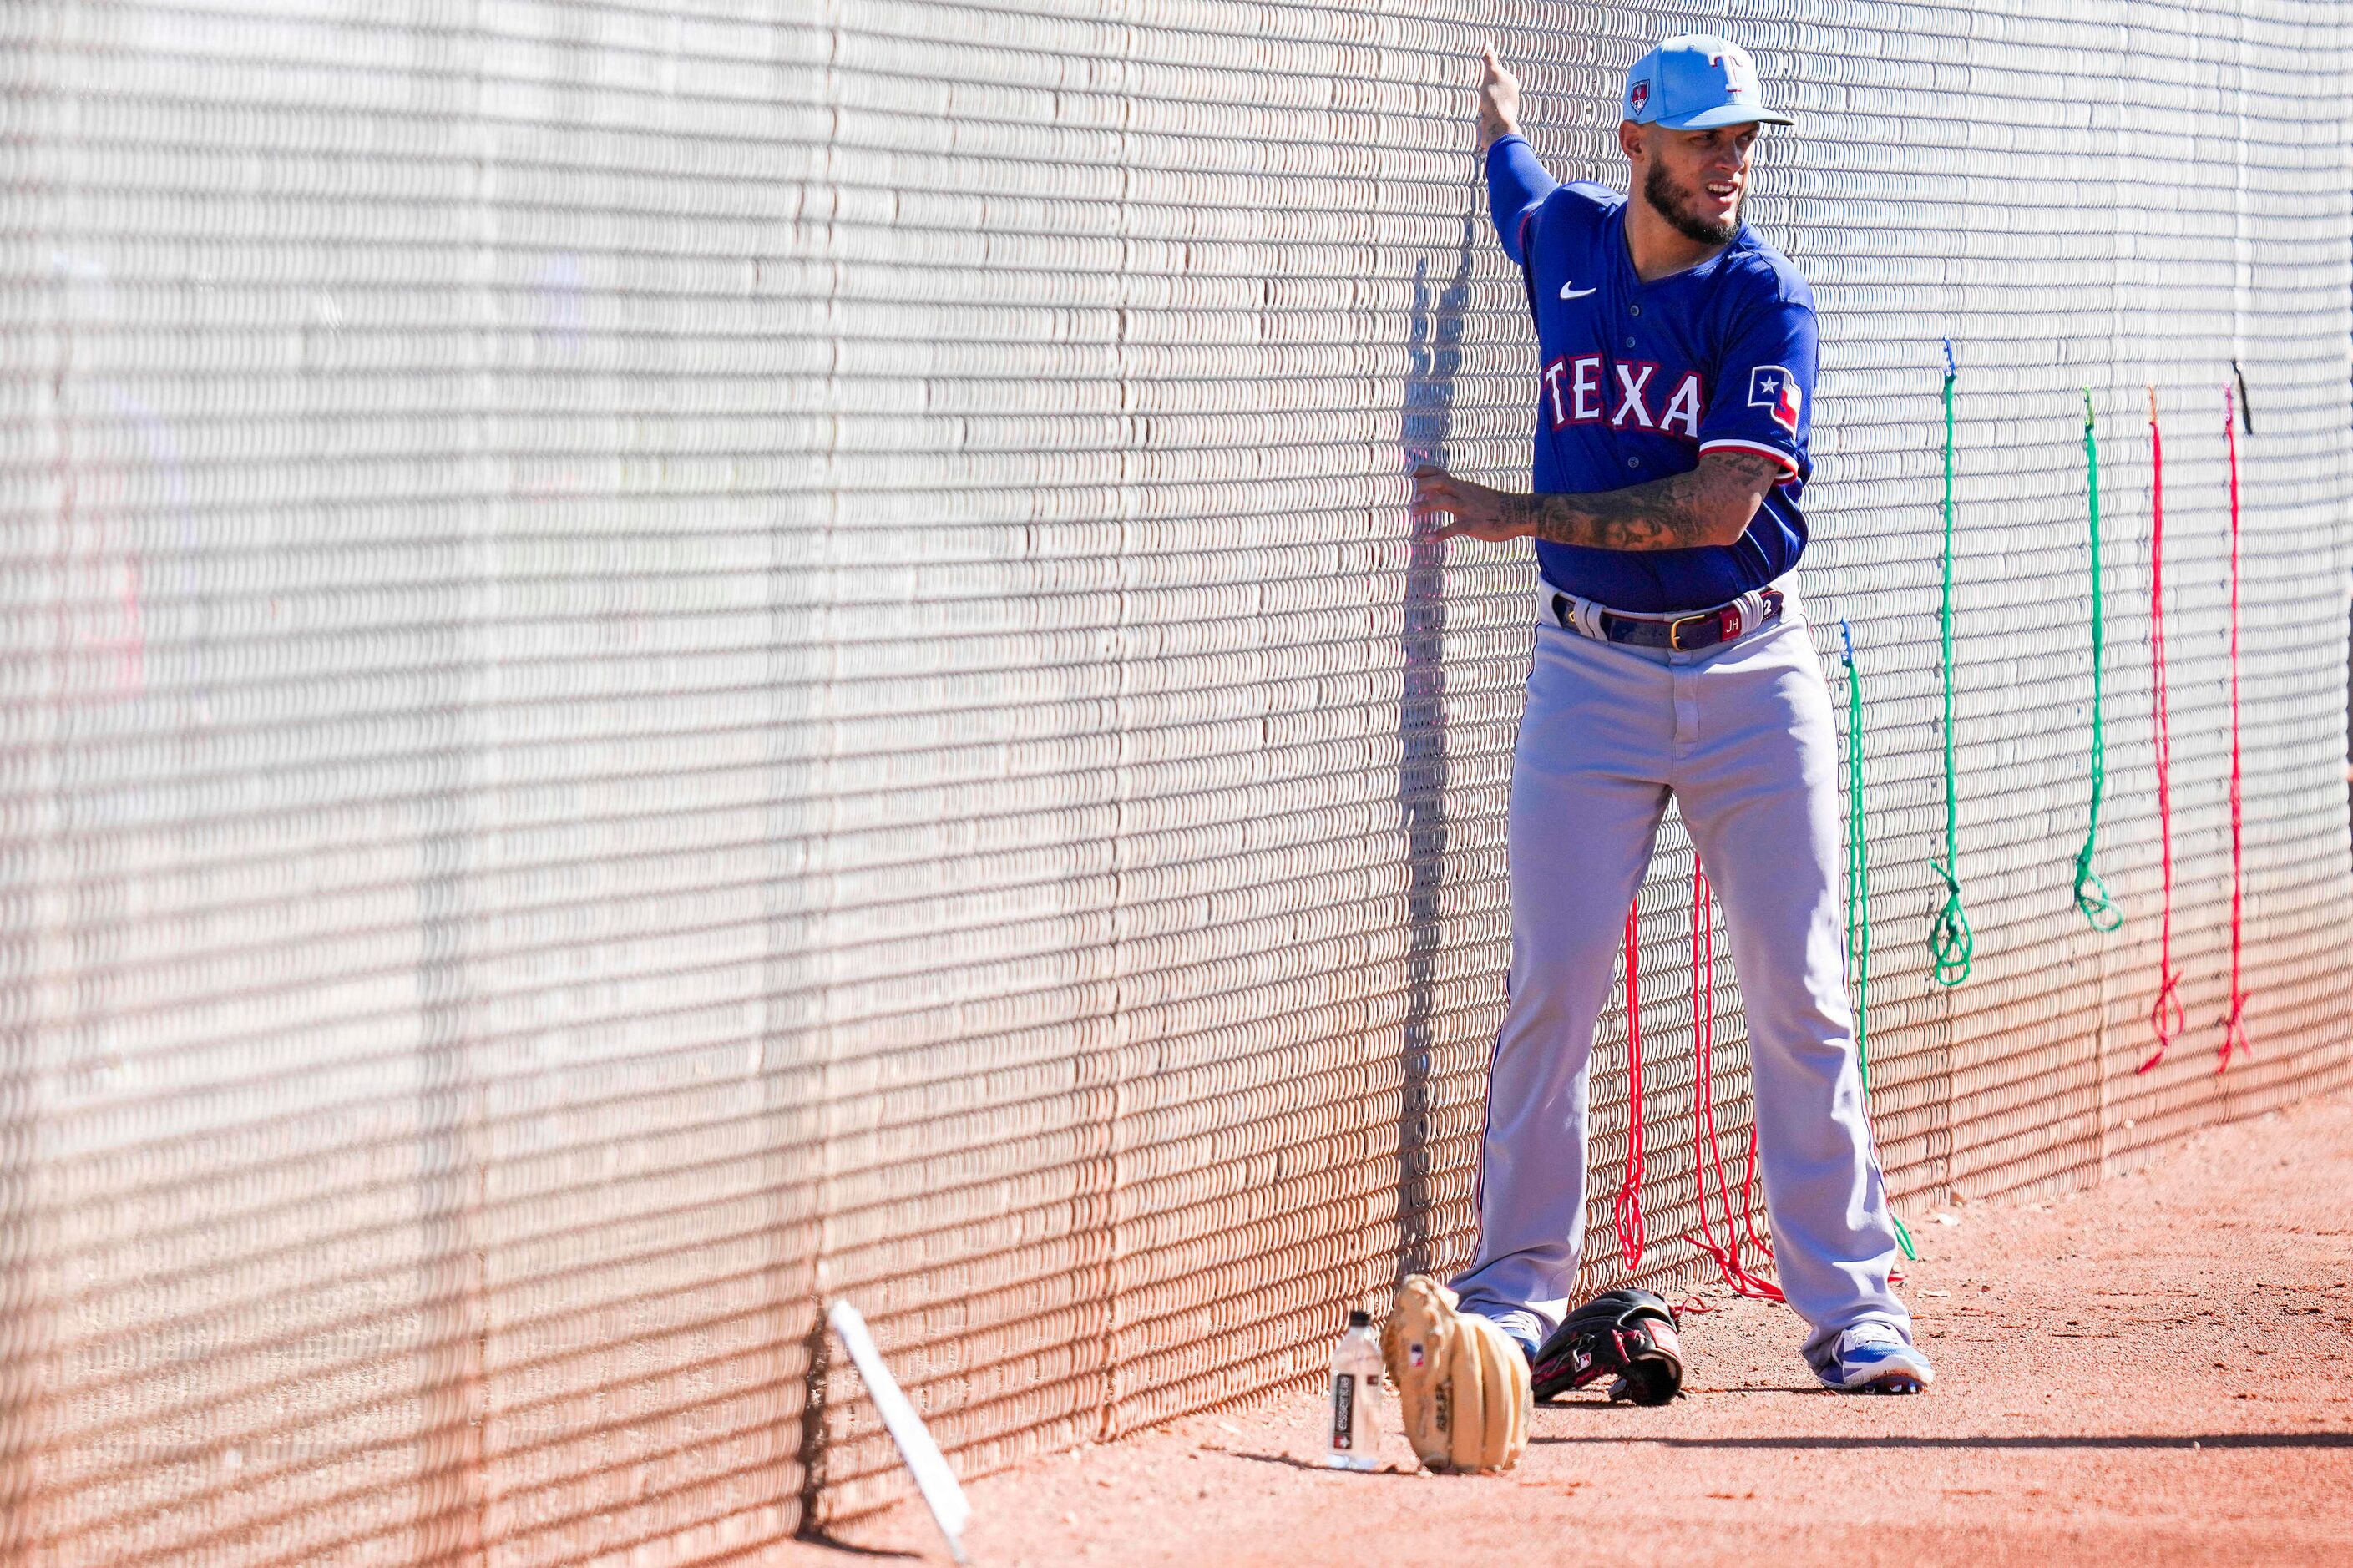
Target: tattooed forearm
x=1712, y=504
x=1709, y=505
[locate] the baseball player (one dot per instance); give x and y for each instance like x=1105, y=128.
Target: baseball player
x=1672, y=404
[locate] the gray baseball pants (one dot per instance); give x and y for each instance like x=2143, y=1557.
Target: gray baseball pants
x=1742, y=736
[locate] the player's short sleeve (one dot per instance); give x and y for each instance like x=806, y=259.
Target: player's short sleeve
x=1763, y=399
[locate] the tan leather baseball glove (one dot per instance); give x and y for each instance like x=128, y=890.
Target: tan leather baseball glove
x=1462, y=1385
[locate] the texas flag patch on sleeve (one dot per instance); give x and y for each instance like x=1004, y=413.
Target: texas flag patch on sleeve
x=1771, y=386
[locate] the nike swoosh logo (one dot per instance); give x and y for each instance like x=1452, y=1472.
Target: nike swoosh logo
x=1569, y=293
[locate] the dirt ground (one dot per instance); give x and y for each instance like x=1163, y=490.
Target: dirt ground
x=2157, y=1372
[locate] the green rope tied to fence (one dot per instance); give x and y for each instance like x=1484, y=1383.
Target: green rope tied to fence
x=2090, y=893
x=1858, y=890
x=1858, y=858
x=1950, y=943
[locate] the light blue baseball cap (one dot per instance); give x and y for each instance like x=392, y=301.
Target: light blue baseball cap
x=1696, y=82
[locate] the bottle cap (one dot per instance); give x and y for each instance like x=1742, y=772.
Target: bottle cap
x=1360, y=1320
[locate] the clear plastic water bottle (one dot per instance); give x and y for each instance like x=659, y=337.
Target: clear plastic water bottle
x=1353, y=1426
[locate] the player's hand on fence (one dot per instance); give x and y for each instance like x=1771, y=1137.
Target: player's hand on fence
x=1499, y=99
x=1477, y=511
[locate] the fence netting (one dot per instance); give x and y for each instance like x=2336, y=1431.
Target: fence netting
x=666, y=663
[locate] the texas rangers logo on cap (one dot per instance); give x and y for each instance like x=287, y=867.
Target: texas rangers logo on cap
x=1771, y=386
x=1696, y=81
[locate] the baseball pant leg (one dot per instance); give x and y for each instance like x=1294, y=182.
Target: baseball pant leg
x=1588, y=791
x=1756, y=780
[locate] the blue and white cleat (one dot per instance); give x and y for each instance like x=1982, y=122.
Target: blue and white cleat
x=1524, y=1328
x=1875, y=1358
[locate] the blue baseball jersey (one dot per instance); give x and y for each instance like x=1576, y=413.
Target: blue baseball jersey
x=1636, y=380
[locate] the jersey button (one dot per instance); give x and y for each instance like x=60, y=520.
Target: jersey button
x=1630, y=343
x=1633, y=309
x=1633, y=462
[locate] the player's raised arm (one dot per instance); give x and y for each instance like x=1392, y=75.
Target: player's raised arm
x=1517, y=184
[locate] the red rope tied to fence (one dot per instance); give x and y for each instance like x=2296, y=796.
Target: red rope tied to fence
x=1627, y=1209
x=2234, y=1033
x=2166, y=1018
x=1728, y=1256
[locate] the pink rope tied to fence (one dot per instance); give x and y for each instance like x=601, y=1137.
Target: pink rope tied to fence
x=1727, y=1258
x=1627, y=1209
x=2166, y=1017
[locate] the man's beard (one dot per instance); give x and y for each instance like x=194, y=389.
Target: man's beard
x=1675, y=204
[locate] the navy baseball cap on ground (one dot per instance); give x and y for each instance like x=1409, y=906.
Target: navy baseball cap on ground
x=1696, y=82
